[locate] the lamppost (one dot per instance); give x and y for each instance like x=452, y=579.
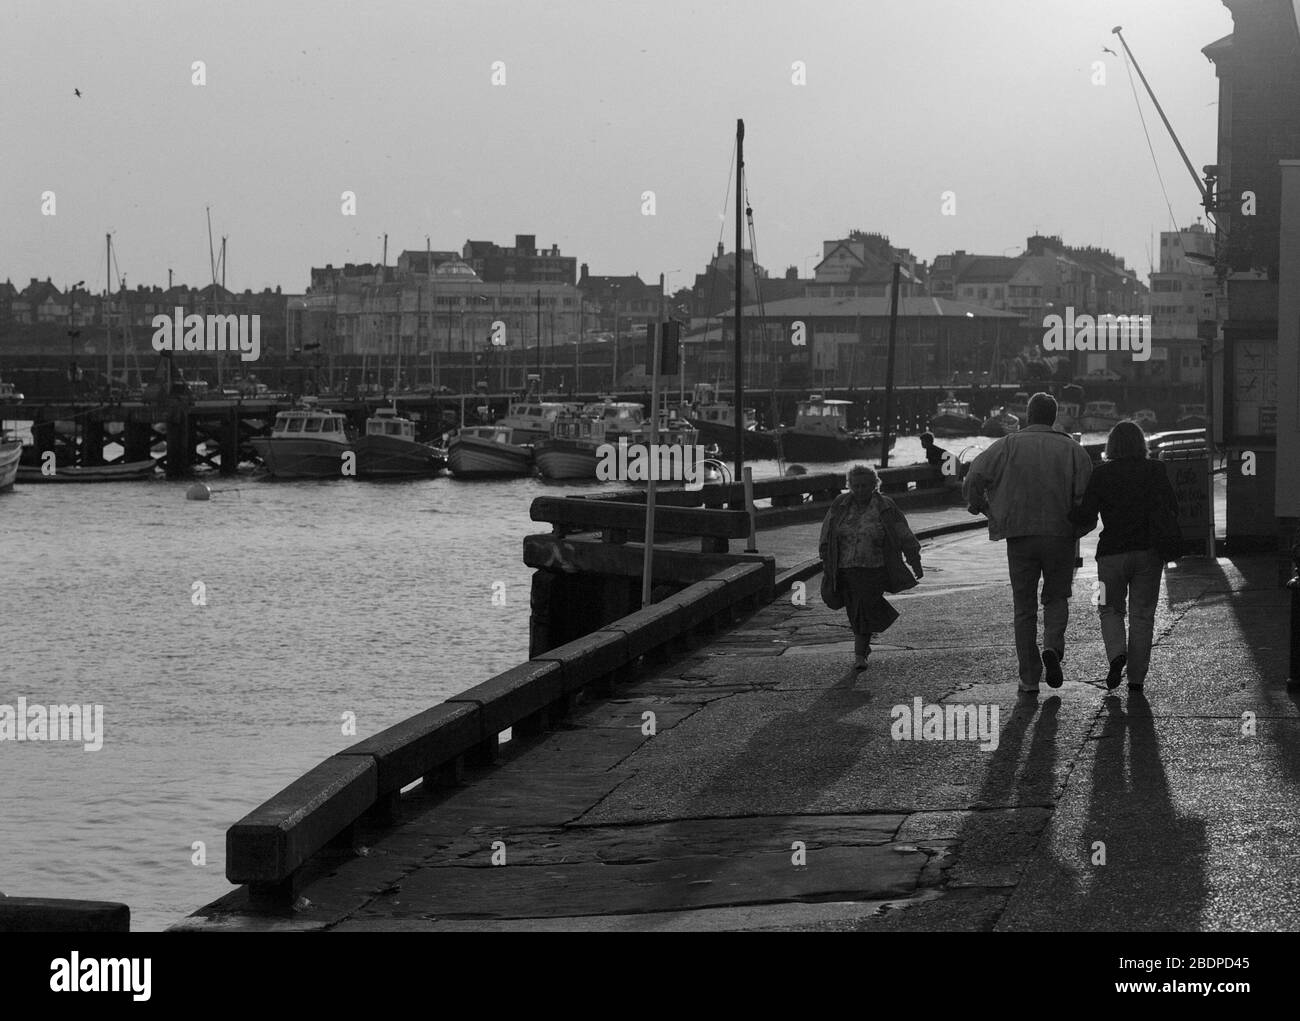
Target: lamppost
x=613, y=383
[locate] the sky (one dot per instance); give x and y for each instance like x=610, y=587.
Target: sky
x=595, y=104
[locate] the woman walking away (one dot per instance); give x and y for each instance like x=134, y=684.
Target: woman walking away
x=862, y=538
x=1137, y=507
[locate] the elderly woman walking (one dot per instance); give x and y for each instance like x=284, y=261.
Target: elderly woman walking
x=1139, y=515
x=861, y=540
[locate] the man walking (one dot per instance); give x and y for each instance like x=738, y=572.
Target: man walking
x=1026, y=484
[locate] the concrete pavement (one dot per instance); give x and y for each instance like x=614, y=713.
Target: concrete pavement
x=768, y=790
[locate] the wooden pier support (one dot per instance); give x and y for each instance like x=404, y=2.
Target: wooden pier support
x=92, y=439
x=137, y=440
x=230, y=442
x=180, y=442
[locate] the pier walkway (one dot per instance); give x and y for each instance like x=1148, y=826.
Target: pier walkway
x=771, y=795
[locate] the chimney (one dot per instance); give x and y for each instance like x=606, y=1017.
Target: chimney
x=720, y=249
x=583, y=274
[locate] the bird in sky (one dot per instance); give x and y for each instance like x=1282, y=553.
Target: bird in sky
x=77, y=93
x=1107, y=49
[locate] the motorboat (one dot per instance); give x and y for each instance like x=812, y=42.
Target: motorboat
x=1099, y=417
x=716, y=422
x=121, y=471
x=389, y=449
x=1146, y=418
x=530, y=421
x=821, y=434
x=1191, y=416
x=953, y=418
x=485, y=451
x=10, y=452
x=999, y=423
x=571, y=449
x=1067, y=416
x=1019, y=406
x=306, y=442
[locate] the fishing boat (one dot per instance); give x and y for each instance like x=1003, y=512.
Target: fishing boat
x=570, y=451
x=953, y=418
x=999, y=423
x=821, y=434
x=122, y=471
x=306, y=442
x=1146, y=418
x=389, y=449
x=716, y=422
x=1191, y=416
x=1019, y=406
x=1099, y=417
x=1067, y=416
x=10, y=451
x=530, y=421
x=485, y=451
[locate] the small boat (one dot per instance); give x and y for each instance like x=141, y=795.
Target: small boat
x=1191, y=416
x=389, y=449
x=485, y=451
x=530, y=421
x=1099, y=417
x=122, y=471
x=820, y=434
x=999, y=423
x=570, y=451
x=1019, y=406
x=10, y=451
x=716, y=422
x=1146, y=418
x=9, y=392
x=306, y=442
x=953, y=418
x=1067, y=416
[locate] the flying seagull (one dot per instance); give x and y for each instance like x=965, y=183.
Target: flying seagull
x=77, y=93
x=1107, y=49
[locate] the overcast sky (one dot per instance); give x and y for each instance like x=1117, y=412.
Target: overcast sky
x=602, y=101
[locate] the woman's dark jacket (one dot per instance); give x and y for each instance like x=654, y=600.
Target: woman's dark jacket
x=1125, y=492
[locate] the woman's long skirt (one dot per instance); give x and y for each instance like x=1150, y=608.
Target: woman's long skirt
x=863, y=589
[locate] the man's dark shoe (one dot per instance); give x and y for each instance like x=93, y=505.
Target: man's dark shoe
x=1116, y=668
x=1134, y=687
x=1052, y=668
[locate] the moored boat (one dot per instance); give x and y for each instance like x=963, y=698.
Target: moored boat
x=530, y=421
x=1191, y=416
x=389, y=449
x=1099, y=417
x=485, y=451
x=305, y=443
x=10, y=451
x=716, y=422
x=1019, y=406
x=1146, y=418
x=570, y=451
x=1067, y=416
x=122, y=471
x=821, y=434
x=953, y=418
x=999, y=423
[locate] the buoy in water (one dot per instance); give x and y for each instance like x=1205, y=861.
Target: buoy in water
x=198, y=491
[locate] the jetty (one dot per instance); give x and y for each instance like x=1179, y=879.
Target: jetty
x=712, y=761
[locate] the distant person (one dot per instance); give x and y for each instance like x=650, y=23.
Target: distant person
x=1026, y=484
x=1128, y=490
x=934, y=453
x=852, y=549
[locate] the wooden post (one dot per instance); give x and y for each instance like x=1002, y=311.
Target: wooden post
x=230, y=442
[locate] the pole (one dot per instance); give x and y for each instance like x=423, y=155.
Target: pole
x=108, y=291
x=739, y=410
x=647, y=564
x=539, y=338
x=577, y=348
x=887, y=426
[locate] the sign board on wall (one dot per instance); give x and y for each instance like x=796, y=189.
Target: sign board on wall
x=1187, y=476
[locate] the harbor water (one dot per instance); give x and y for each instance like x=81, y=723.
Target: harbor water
x=233, y=644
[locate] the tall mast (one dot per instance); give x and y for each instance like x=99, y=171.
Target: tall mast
x=108, y=292
x=738, y=413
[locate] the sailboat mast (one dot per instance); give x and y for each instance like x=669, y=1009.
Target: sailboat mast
x=108, y=293
x=738, y=414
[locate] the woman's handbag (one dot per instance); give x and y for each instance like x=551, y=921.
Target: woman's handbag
x=897, y=577
x=831, y=597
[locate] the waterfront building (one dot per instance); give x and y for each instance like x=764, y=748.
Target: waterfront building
x=1182, y=306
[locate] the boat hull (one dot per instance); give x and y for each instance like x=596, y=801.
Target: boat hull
x=758, y=445
x=559, y=460
x=128, y=471
x=955, y=425
x=301, y=458
x=9, y=453
x=1191, y=422
x=395, y=457
x=469, y=457
x=1000, y=425
x=797, y=446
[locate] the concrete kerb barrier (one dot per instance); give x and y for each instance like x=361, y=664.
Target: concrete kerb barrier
x=48, y=914
x=267, y=848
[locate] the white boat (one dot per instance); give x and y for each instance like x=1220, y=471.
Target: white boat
x=305, y=443
x=1099, y=417
x=953, y=418
x=484, y=451
x=1067, y=416
x=999, y=423
x=530, y=421
x=389, y=449
x=570, y=451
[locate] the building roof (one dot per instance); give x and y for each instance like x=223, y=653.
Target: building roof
x=872, y=307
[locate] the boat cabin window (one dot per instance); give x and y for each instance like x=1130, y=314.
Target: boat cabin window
x=314, y=424
x=295, y=425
